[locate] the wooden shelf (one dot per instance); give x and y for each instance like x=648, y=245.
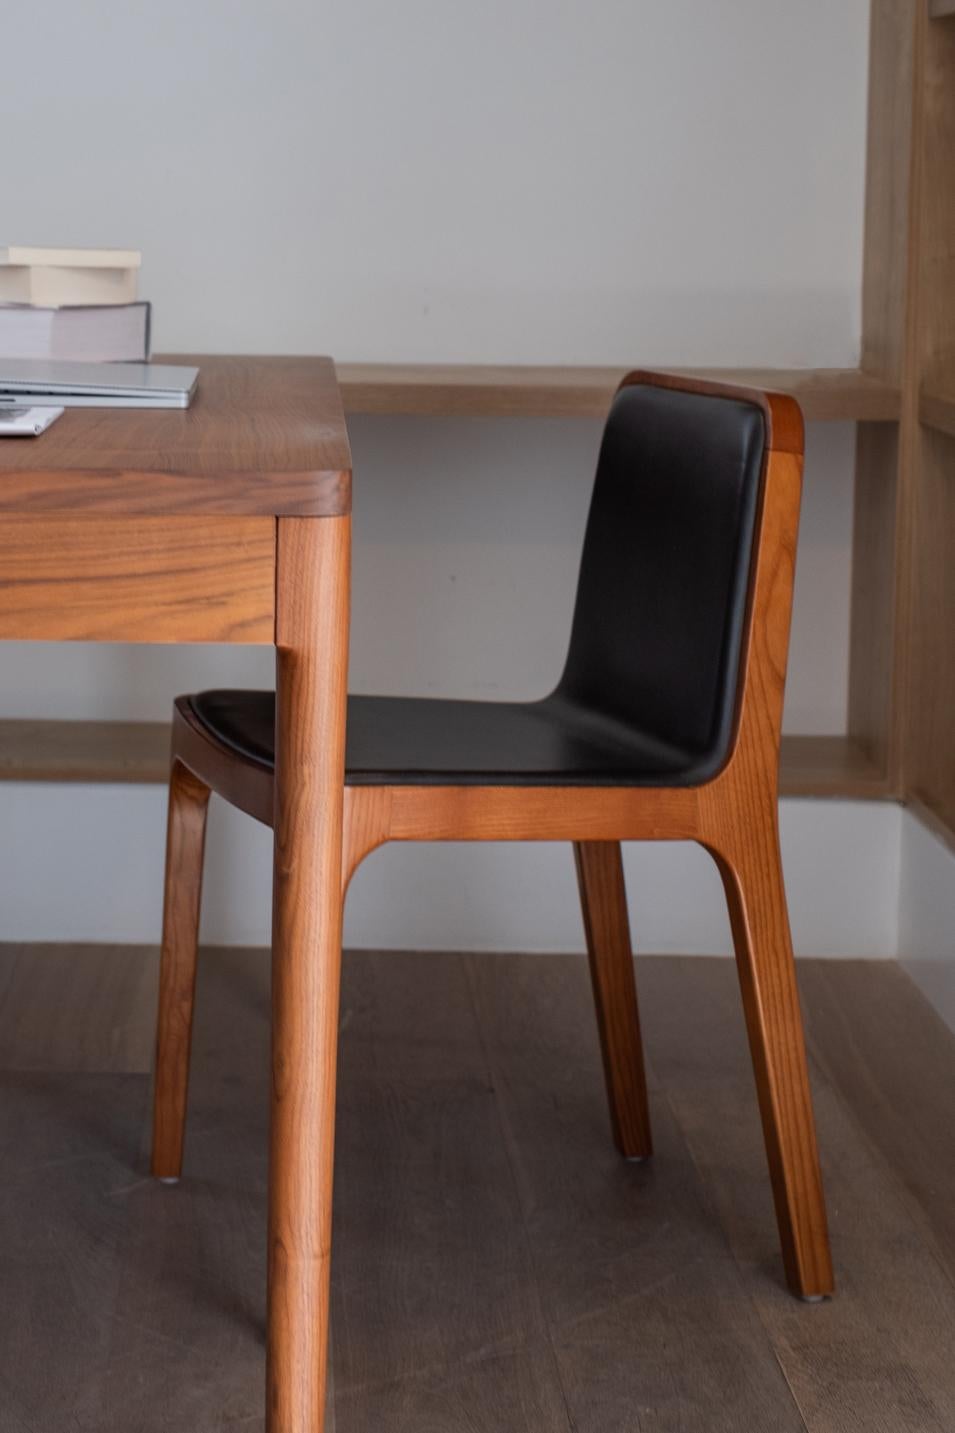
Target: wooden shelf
x=138, y=752
x=94, y=751
x=941, y=9
x=937, y=412
x=464, y=390
x=829, y=766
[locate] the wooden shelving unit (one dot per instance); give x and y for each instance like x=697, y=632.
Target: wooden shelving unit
x=902, y=671
x=473, y=390
x=131, y=753
x=927, y=679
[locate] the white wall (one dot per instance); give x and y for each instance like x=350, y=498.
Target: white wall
x=522, y=181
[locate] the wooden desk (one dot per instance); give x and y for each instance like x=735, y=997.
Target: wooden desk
x=229, y=522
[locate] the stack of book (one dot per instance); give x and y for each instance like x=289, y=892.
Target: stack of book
x=72, y=305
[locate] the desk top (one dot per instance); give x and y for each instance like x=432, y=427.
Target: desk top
x=263, y=435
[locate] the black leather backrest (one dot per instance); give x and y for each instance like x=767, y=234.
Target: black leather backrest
x=664, y=578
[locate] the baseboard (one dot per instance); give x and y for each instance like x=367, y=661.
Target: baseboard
x=927, y=912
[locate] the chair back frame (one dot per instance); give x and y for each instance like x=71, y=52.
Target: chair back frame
x=377, y=814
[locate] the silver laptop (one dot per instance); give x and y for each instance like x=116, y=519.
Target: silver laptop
x=95, y=385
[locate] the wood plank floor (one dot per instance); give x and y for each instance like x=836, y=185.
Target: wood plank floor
x=496, y=1266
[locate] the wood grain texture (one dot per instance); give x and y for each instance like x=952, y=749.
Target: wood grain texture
x=150, y=579
x=829, y=766
x=424, y=1200
x=927, y=682
x=885, y=458
x=187, y=1340
x=603, y=900
x=888, y=192
x=70, y=1144
x=185, y=844
x=312, y=662
x=739, y=826
x=759, y=920
x=652, y=1322
x=878, y=1356
x=885, y=1050
x=496, y=1265
x=930, y=728
x=366, y=819
x=938, y=412
x=77, y=1008
x=906, y=540
x=84, y=751
x=873, y=630
x=473, y=390
x=533, y=813
x=263, y=436
x=936, y=316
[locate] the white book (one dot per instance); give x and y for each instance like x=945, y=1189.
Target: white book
x=71, y=258
x=51, y=277
x=101, y=333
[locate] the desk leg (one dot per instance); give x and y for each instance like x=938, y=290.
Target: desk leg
x=312, y=656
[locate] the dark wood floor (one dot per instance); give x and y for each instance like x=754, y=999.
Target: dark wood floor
x=497, y=1269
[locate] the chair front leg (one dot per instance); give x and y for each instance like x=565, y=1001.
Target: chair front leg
x=751, y=868
x=185, y=844
x=603, y=900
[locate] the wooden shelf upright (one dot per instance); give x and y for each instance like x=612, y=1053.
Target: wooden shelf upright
x=927, y=755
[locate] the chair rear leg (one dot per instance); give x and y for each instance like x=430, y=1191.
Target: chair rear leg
x=185, y=843
x=753, y=881
x=603, y=900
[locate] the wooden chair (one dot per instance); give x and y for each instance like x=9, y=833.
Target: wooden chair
x=664, y=726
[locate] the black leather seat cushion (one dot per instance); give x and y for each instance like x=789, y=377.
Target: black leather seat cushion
x=649, y=690
x=404, y=740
